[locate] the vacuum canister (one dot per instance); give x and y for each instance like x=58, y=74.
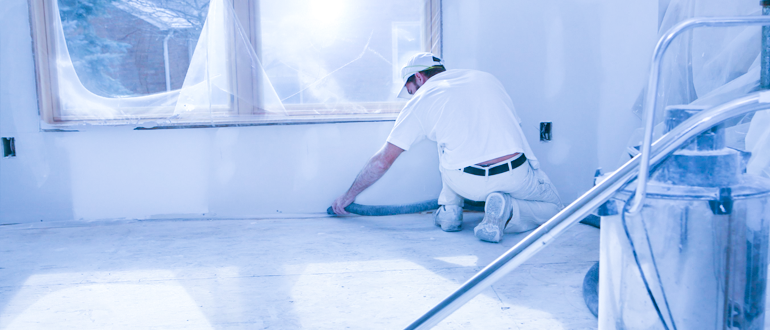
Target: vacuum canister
x=695, y=257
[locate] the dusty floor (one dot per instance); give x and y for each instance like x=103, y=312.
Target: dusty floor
x=316, y=273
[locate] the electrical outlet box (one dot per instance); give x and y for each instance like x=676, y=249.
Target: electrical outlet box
x=9, y=147
x=545, y=131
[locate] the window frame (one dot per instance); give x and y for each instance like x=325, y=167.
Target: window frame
x=247, y=11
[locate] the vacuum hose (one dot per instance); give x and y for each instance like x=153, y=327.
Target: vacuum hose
x=381, y=210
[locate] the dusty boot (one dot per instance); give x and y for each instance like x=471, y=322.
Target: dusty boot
x=449, y=217
x=497, y=211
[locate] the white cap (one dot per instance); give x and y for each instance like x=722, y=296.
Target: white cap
x=418, y=62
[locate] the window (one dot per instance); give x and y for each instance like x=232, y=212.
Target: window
x=220, y=62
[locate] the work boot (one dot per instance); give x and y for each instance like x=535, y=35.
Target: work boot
x=497, y=211
x=449, y=217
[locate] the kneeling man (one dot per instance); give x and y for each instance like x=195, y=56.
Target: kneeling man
x=483, y=154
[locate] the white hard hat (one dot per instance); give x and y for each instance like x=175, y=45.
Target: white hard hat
x=418, y=62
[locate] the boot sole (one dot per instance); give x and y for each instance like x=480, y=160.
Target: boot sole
x=451, y=227
x=489, y=230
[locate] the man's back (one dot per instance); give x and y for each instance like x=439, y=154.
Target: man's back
x=467, y=112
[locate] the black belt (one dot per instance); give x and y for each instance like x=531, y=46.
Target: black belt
x=502, y=168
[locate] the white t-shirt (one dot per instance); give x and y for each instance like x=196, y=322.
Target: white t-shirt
x=469, y=115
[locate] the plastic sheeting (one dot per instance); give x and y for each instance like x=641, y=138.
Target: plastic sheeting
x=710, y=66
x=208, y=90
x=699, y=64
x=308, y=62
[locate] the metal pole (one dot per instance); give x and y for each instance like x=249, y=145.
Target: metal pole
x=166, y=61
x=764, y=80
x=574, y=212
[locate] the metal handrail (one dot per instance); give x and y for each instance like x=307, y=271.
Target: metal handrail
x=652, y=153
x=651, y=98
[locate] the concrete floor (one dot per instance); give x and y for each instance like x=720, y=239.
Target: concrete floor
x=313, y=273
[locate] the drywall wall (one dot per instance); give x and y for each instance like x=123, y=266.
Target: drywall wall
x=578, y=64
x=120, y=173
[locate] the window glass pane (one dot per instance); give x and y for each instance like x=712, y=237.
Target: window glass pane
x=338, y=51
x=131, y=47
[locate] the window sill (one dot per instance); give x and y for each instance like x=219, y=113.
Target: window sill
x=247, y=121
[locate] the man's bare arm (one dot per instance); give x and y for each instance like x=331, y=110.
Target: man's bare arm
x=372, y=171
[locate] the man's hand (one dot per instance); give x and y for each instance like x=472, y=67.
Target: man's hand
x=341, y=203
x=372, y=171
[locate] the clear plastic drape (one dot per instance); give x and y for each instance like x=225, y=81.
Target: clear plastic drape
x=709, y=66
x=291, y=58
x=719, y=64
x=700, y=63
x=210, y=87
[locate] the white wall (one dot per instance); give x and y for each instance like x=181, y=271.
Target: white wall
x=579, y=64
x=117, y=172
